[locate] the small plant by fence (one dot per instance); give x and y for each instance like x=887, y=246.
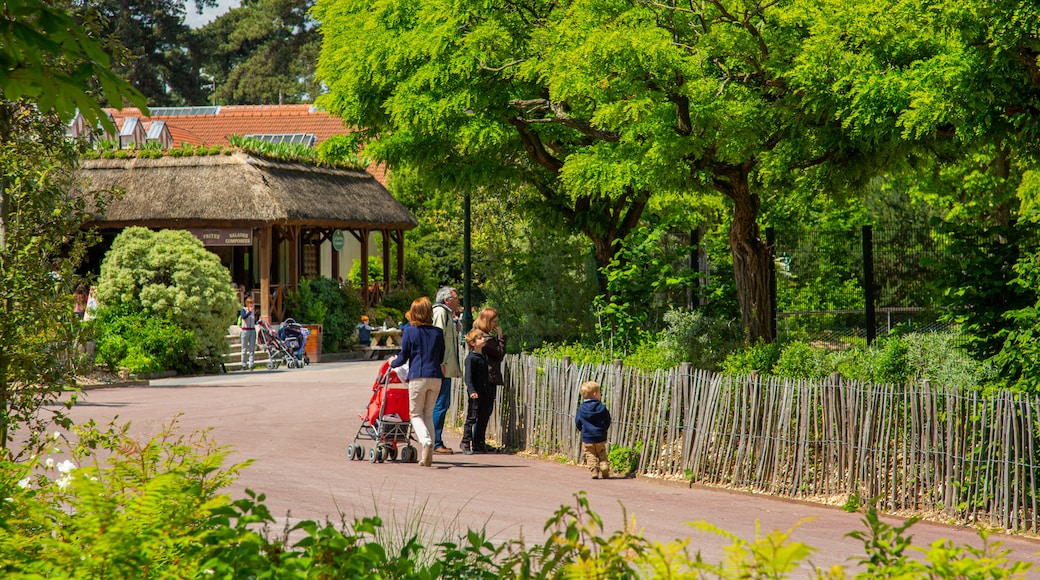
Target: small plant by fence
x=939, y=452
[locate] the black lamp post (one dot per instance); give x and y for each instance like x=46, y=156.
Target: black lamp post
x=467, y=277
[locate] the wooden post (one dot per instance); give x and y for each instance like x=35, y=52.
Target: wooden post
x=364, y=268
x=386, y=261
x=294, y=257
x=265, y=273
x=400, y=258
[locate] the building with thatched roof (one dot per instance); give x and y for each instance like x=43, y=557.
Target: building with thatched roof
x=271, y=222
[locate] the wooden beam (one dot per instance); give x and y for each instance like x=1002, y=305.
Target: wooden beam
x=364, y=268
x=266, y=248
x=386, y=260
x=400, y=257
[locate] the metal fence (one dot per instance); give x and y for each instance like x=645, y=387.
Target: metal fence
x=839, y=288
x=939, y=452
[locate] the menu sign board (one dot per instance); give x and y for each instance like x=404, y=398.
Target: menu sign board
x=224, y=237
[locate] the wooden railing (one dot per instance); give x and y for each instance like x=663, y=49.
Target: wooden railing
x=939, y=452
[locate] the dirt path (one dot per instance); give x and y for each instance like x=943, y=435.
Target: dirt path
x=296, y=424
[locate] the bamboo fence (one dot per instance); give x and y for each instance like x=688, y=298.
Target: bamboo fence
x=937, y=452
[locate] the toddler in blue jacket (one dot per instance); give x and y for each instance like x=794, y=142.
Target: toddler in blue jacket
x=593, y=420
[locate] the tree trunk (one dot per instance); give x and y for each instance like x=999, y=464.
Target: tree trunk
x=751, y=260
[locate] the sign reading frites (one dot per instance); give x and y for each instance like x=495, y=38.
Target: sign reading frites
x=224, y=237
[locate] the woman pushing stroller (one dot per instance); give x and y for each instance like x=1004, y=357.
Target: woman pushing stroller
x=422, y=348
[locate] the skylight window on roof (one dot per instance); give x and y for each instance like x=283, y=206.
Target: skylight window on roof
x=308, y=139
x=182, y=111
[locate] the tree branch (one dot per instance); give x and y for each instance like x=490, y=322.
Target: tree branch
x=560, y=117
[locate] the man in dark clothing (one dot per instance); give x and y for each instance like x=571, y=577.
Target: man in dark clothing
x=593, y=420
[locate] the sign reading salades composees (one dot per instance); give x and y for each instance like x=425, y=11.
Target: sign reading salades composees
x=224, y=237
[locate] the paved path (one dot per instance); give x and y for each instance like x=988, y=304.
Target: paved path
x=296, y=424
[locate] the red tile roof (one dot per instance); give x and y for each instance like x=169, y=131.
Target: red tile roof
x=215, y=128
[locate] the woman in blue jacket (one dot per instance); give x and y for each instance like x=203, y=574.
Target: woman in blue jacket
x=422, y=348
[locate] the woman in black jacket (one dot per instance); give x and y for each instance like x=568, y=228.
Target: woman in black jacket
x=495, y=351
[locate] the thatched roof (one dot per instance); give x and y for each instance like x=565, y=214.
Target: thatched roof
x=240, y=190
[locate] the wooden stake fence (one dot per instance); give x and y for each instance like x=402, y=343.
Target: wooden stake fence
x=968, y=457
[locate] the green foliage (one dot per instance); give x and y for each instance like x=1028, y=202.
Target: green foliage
x=322, y=301
x=57, y=63
x=41, y=249
x=799, y=360
x=624, y=461
x=149, y=45
x=699, y=339
x=169, y=275
x=290, y=152
x=643, y=271
x=1017, y=359
x=886, y=550
x=140, y=342
x=399, y=300
x=760, y=357
x=160, y=506
x=979, y=269
x=138, y=506
x=375, y=271
x=261, y=52
x=899, y=359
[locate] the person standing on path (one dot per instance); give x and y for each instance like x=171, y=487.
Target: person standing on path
x=444, y=312
x=422, y=347
x=495, y=351
x=478, y=393
x=593, y=420
x=247, y=326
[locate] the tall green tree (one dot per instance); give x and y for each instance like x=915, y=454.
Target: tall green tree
x=263, y=52
x=150, y=44
x=40, y=249
x=51, y=67
x=601, y=106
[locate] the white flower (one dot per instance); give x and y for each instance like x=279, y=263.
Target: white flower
x=23, y=483
x=63, y=482
x=50, y=462
x=66, y=466
x=57, y=435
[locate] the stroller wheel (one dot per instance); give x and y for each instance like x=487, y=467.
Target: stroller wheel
x=271, y=365
x=391, y=453
x=359, y=451
x=372, y=453
x=350, y=452
x=408, y=454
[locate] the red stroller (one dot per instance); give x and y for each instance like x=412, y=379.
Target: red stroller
x=386, y=422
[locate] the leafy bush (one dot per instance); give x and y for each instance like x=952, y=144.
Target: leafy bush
x=375, y=271
x=760, y=358
x=400, y=300
x=643, y=270
x=624, y=461
x=322, y=301
x=141, y=343
x=702, y=340
x=799, y=360
x=169, y=275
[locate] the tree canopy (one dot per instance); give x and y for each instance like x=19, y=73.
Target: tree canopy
x=150, y=46
x=601, y=106
x=262, y=52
